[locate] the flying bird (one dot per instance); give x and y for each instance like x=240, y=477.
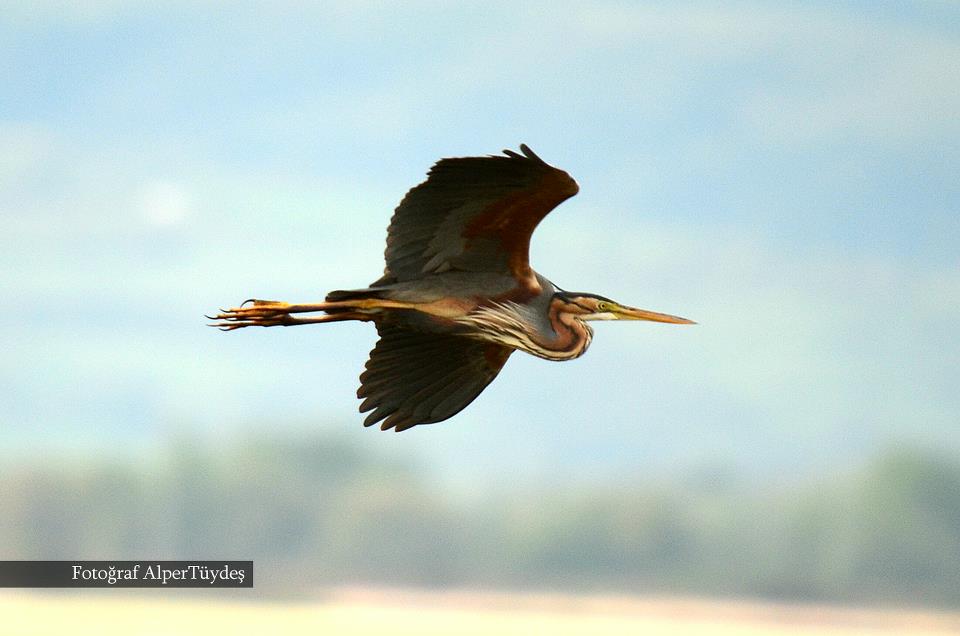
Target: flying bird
x=458, y=295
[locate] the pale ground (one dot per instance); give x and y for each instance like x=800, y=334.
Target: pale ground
x=402, y=612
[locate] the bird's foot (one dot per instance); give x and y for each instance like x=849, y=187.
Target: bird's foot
x=273, y=313
x=254, y=313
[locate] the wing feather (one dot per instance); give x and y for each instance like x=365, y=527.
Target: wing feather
x=474, y=214
x=419, y=378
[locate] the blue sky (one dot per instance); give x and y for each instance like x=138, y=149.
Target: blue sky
x=783, y=173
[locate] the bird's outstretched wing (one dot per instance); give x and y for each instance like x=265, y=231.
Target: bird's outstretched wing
x=474, y=214
x=418, y=378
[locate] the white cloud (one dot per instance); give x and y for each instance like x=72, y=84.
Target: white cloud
x=26, y=146
x=885, y=86
x=164, y=204
x=43, y=13
x=827, y=71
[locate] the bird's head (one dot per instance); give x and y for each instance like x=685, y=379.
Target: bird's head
x=593, y=307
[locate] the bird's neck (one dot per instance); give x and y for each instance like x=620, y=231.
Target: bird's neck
x=508, y=325
x=572, y=335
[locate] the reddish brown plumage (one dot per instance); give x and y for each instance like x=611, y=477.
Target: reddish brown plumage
x=474, y=214
x=496, y=356
x=512, y=219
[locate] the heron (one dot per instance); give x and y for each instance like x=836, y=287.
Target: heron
x=458, y=295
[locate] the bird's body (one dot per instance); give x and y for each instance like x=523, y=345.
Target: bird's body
x=486, y=308
x=458, y=295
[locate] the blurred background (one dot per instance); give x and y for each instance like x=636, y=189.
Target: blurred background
x=784, y=174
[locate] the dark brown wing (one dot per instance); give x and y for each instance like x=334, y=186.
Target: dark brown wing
x=474, y=214
x=419, y=378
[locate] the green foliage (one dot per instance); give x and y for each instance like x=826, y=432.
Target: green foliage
x=315, y=511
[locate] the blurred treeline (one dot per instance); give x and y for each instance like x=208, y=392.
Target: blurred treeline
x=315, y=511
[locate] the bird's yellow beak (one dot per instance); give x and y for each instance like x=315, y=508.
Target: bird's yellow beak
x=631, y=313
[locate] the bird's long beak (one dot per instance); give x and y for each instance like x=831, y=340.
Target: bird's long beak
x=631, y=313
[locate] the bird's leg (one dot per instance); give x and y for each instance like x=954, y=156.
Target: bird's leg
x=272, y=313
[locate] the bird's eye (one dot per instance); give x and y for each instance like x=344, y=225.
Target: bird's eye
x=602, y=306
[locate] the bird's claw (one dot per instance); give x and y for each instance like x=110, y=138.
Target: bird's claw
x=263, y=313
